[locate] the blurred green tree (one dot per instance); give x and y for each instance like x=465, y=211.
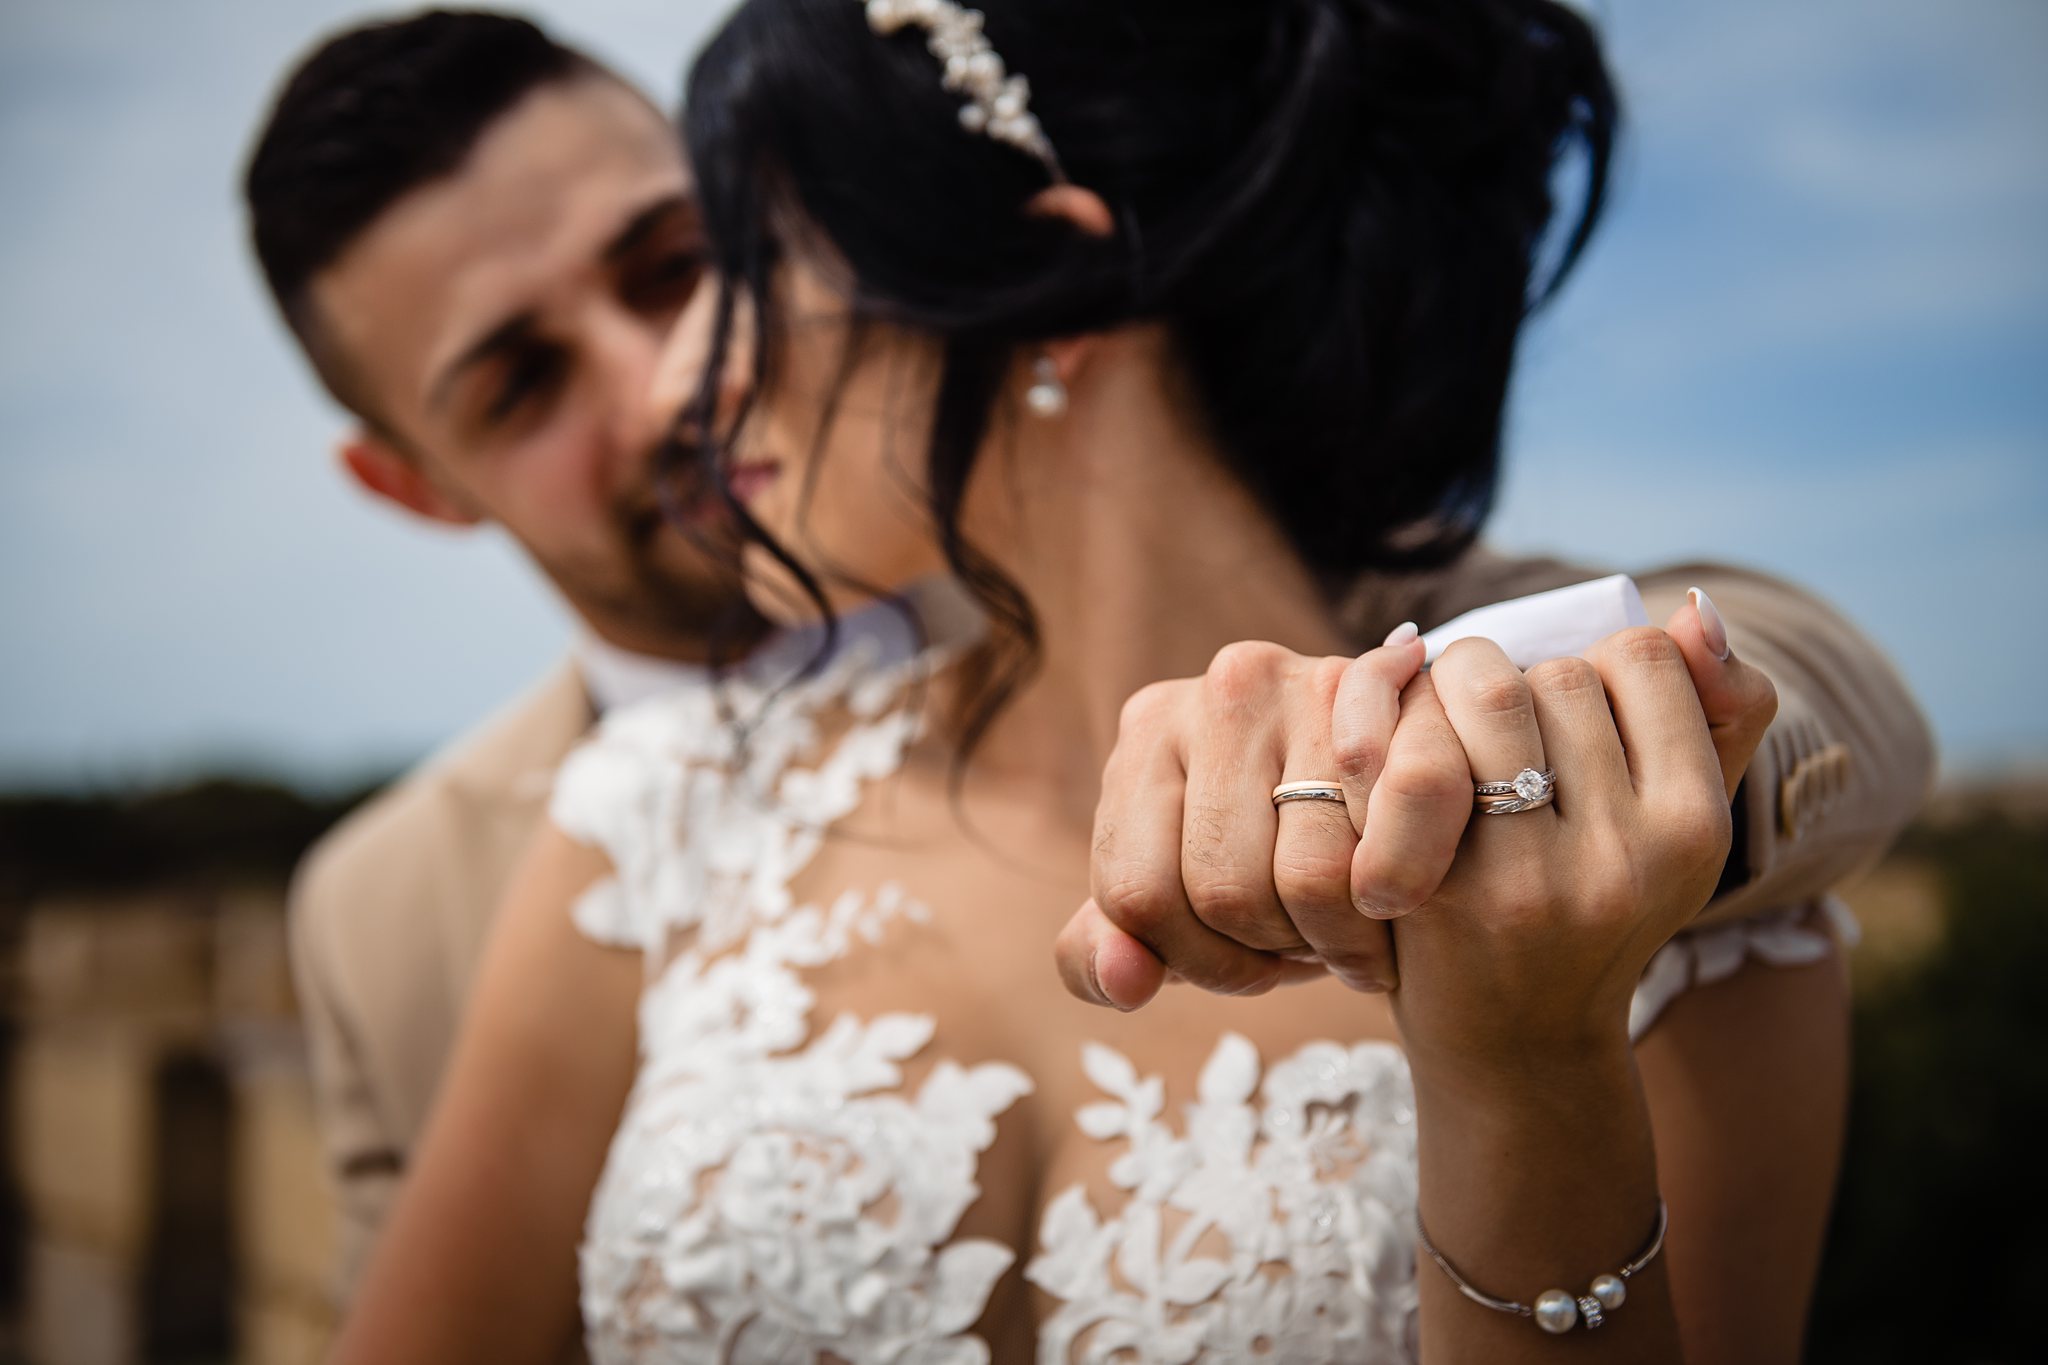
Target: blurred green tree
x=1935, y=1253
x=205, y=833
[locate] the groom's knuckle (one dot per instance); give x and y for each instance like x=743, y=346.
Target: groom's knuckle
x=1304, y=872
x=1138, y=902
x=1244, y=671
x=1565, y=677
x=1395, y=885
x=1148, y=710
x=1323, y=676
x=1425, y=786
x=1360, y=750
x=1232, y=907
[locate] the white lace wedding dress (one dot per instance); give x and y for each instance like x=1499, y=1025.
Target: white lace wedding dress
x=775, y=1191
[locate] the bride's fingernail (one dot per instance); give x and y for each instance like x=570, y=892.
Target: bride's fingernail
x=1400, y=635
x=1710, y=621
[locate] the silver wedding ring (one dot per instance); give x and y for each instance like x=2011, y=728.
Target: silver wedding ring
x=1308, y=791
x=1526, y=790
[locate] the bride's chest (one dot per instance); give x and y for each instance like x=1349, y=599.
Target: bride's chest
x=885, y=1072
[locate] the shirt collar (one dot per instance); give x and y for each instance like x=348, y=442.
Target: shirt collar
x=933, y=612
x=621, y=677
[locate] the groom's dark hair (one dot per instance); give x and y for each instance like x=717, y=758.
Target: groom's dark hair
x=372, y=114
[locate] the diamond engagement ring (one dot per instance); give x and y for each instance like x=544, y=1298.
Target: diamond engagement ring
x=1307, y=791
x=1526, y=790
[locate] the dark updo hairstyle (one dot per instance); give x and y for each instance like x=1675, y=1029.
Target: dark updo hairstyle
x=1335, y=207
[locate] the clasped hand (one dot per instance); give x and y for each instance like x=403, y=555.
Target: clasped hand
x=1496, y=934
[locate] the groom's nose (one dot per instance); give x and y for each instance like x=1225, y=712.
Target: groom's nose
x=624, y=354
x=679, y=371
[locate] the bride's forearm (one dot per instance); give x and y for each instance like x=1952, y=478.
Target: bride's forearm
x=1542, y=1180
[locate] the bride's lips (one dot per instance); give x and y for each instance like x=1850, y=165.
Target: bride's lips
x=750, y=478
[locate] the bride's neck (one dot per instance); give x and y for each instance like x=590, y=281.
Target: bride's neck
x=1141, y=557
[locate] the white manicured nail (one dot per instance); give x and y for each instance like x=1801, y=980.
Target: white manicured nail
x=1710, y=621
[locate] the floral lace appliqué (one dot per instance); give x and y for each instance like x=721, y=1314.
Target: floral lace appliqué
x=1278, y=1230
x=706, y=823
x=768, y=1199
x=771, y=1193
x=1791, y=937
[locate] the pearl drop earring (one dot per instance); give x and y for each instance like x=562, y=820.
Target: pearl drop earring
x=1048, y=396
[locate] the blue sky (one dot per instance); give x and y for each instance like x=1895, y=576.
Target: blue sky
x=1813, y=337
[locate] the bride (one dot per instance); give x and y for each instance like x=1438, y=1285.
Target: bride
x=1152, y=326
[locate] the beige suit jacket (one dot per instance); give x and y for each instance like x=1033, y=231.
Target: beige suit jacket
x=388, y=918
x=390, y=911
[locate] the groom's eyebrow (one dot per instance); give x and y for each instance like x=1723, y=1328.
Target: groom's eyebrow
x=637, y=230
x=644, y=224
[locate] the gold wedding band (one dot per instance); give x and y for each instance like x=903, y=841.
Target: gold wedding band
x=1308, y=791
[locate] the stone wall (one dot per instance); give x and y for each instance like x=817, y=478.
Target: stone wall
x=161, y=1135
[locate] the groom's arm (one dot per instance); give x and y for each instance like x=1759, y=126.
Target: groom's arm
x=1846, y=764
x=361, y=1156
x=340, y=897
x=379, y=955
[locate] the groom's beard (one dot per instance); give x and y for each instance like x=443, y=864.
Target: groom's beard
x=677, y=569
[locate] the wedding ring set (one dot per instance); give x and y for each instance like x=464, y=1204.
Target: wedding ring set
x=1526, y=790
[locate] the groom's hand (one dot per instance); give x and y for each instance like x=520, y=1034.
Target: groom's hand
x=1197, y=876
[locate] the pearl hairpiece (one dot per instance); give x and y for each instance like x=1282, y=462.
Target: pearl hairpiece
x=998, y=103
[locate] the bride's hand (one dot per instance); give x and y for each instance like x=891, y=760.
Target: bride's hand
x=1196, y=876
x=1530, y=946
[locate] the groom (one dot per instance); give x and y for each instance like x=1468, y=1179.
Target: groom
x=479, y=238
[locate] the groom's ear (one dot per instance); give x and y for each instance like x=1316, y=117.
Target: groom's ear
x=389, y=473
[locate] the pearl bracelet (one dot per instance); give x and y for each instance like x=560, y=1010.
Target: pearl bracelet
x=1555, y=1310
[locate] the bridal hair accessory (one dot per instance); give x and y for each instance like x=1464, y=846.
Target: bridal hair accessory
x=1526, y=790
x=1307, y=791
x=1556, y=1311
x=999, y=104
